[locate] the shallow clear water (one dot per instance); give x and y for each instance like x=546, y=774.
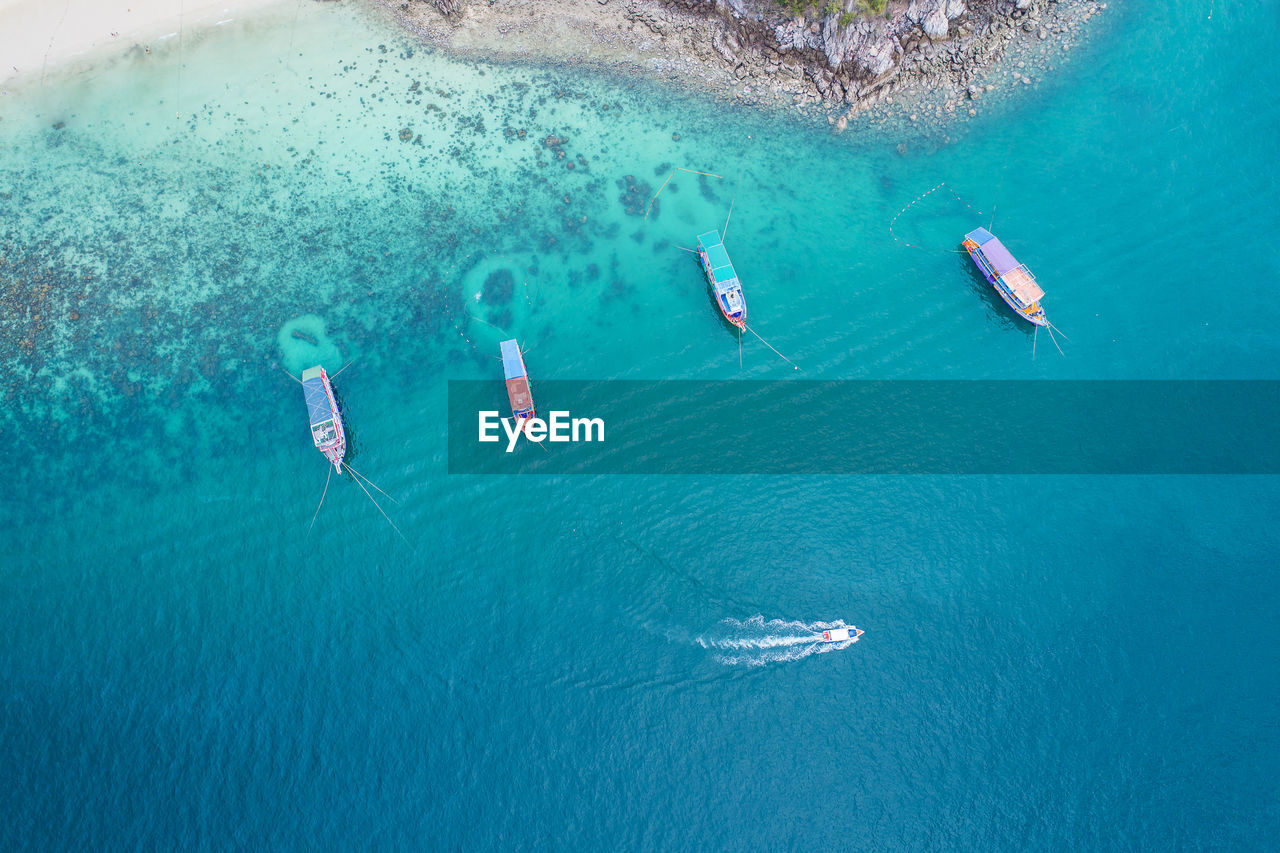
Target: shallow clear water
x=1049, y=662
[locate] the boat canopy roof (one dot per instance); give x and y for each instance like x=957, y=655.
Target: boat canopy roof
x=1015, y=276
x=1023, y=285
x=512, y=363
x=319, y=409
x=980, y=236
x=993, y=250
x=722, y=271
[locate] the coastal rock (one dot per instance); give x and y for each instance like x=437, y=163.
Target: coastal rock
x=840, y=44
x=839, y=53
x=936, y=24
x=877, y=59
x=797, y=35
x=726, y=46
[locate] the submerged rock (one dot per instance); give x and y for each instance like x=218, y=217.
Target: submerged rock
x=499, y=287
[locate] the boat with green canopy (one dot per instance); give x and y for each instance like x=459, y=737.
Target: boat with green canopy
x=722, y=278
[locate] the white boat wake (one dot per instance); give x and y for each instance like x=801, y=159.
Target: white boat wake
x=757, y=642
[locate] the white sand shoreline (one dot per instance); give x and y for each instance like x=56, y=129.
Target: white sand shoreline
x=41, y=36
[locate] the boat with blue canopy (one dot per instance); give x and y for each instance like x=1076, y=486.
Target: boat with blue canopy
x=722, y=278
x=326, y=422
x=517, y=377
x=1012, y=280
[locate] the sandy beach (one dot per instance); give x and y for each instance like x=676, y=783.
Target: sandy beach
x=38, y=36
x=834, y=73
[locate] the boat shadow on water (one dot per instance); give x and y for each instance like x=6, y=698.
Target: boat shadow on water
x=348, y=428
x=997, y=311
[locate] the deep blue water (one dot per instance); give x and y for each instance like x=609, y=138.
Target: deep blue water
x=611, y=662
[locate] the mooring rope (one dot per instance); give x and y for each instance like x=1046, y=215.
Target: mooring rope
x=649, y=209
x=375, y=503
x=453, y=323
x=471, y=316
x=524, y=285
x=370, y=482
x=770, y=346
x=725, y=230
x=920, y=198
x=1055, y=340
x=322, y=494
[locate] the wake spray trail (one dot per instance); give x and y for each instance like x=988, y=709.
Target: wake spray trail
x=759, y=642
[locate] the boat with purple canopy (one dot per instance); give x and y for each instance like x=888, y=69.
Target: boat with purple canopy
x=1012, y=280
x=326, y=422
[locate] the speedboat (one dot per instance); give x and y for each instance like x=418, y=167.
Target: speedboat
x=841, y=635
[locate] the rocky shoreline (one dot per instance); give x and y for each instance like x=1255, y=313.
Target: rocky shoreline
x=937, y=56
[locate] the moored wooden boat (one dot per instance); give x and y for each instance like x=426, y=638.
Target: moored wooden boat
x=722, y=278
x=1012, y=280
x=518, y=392
x=326, y=421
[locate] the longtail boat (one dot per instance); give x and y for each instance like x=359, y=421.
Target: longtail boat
x=517, y=381
x=326, y=422
x=1012, y=280
x=722, y=278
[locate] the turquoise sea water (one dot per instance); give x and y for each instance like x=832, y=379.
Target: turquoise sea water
x=616, y=662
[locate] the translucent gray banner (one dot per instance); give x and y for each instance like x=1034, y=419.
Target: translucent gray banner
x=889, y=427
